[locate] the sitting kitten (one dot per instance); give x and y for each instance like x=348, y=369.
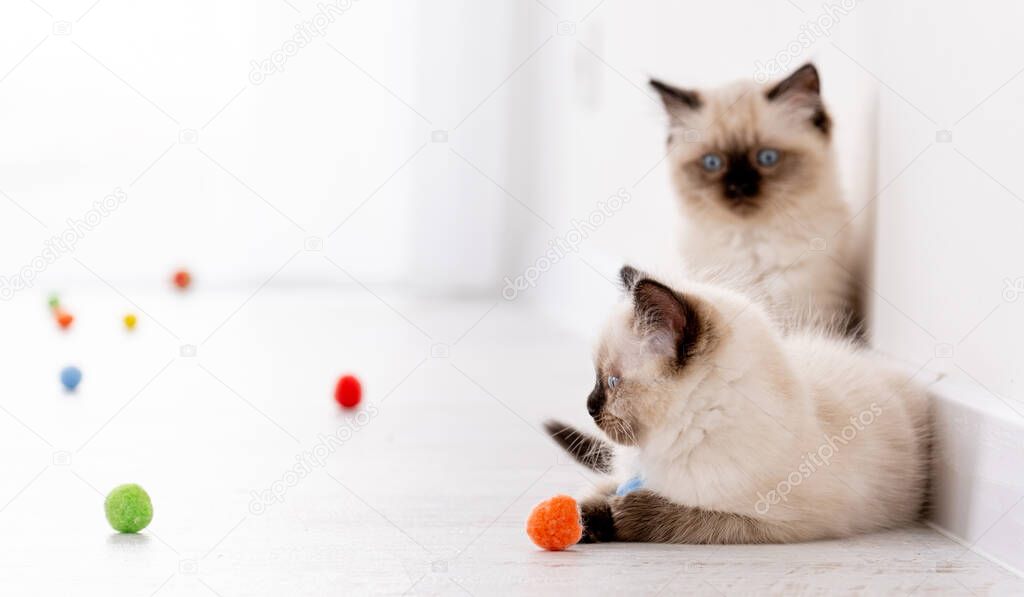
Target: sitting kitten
x=754, y=169
x=737, y=434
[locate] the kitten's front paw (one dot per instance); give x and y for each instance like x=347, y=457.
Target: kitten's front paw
x=598, y=524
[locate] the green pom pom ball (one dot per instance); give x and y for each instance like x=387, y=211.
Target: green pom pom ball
x=128, y=508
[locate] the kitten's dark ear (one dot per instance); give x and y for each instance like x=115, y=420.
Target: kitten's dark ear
x=628, y=275
x=803, y=89
x=803, y=81
x=675, y=98
x=666, y=318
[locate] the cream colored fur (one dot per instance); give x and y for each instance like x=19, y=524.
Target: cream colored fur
x=793, y=247
x=744, y=417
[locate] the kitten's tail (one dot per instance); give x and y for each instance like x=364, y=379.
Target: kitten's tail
x=588, y=450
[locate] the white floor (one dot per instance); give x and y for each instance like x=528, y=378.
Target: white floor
x=427, y=492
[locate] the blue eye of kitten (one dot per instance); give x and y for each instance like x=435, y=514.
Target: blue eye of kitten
x=767, y=157
x=613, y=381
x=711, y=162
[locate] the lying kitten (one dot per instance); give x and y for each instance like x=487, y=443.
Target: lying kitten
x=754, y=169
x=736, y=434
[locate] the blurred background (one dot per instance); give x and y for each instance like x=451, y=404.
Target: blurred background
x=425, y=157
x=438, y=149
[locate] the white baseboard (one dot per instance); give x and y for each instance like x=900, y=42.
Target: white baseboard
x=978, y=472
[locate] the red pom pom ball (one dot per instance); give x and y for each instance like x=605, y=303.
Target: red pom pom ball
x=182, y=279
x=348, y=392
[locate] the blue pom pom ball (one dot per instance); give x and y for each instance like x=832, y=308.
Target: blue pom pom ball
x=70, y=377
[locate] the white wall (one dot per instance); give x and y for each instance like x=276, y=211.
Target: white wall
x=949, y=223
x=90, y=111
x=341, y=134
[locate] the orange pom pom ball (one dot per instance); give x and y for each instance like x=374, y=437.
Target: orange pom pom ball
x=554, y=524
x=64, y=319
